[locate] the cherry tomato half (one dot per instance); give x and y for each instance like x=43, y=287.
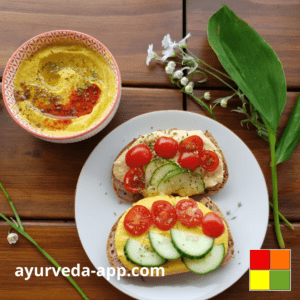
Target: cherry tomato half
x=138, y=220
x=166, y=147
x=188, y=213
x=212, y=225
x=137, y=156
x=209, y=160
x=163, y=215
x=191, y=144
x=189, y=160
x=134, y=180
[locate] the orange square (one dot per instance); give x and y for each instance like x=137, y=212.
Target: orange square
x=280, y=259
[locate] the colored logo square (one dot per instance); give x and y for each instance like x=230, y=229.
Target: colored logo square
x=259, y=280
x=259, y=259
x=280, y=259
x=280, y=280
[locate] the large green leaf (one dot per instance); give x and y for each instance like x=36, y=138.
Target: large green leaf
x=251, y=63
x=290, y=137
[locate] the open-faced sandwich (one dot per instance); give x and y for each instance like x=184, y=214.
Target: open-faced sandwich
x=176, y=233
x=169, y=162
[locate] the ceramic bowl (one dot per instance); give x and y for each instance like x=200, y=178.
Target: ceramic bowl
x=34, y=45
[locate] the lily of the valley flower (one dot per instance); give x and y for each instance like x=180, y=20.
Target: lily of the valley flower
x=151, y=54
x=169, y=70
x=184, y=80
x=224, y=102
x=178, y=74
x=12, y=238
x=189, y=87
x=170, y=67
x=207, y=95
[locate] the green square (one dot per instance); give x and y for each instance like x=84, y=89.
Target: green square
x=280, y=280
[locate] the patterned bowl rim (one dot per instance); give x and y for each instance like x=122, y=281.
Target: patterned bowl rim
x=102, y=120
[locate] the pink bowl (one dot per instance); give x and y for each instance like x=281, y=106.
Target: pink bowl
x=31, y=47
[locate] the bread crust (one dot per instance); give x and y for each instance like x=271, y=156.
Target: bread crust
x=111, y=250
x=129, y=197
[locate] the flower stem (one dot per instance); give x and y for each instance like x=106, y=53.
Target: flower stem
x=272, y=139
x=211, y=73
x=282, y=217
x=204, y=63
x=12, y=206
x=21, y=231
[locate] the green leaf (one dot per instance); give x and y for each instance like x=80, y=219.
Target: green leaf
x=251, y=63
x=290, y=137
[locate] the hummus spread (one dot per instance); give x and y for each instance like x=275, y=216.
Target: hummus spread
x=171, y=267
x=64, y=88
x=210, y=178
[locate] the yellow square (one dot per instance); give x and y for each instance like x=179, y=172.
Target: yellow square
x=259, y=280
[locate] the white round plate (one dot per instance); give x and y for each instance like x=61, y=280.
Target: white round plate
x=97, y=207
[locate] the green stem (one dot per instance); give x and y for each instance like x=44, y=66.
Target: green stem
x=282, y=217
x=204, y=63
x=272, y=139
x=21, y=231
x=12, y=206
x=211, y=73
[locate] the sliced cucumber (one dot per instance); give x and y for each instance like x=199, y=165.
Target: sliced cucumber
x=154, y=164
x=184, y=183
x=191, y=245
x=161, y=171
x=163, y=246
x=208, y=263
x=141, y=254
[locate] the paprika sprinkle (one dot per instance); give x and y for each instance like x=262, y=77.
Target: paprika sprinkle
x=81, y=102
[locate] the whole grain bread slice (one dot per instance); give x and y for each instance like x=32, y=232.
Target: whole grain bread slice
x=111, y=250
x=129, y=197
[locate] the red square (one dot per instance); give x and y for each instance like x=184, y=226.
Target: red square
x=259, y=259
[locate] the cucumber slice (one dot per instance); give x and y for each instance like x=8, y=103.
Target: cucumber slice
x=142, y=255
x=153, y=164
x=161, y=171
x=163, y=246
x=184, y=183
x=208, y=263
x=191, y=245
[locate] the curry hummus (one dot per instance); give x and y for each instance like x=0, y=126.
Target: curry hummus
x=64, y=88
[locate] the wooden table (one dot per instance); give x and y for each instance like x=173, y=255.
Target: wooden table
x=41, y=177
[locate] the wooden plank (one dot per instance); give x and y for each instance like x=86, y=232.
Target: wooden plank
x=41, y=176
x=61, y=241
x=276, y=21
x=125, y=27
x=288, y=172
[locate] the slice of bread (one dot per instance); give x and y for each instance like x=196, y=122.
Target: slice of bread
x=116, y=263
x=128, y=197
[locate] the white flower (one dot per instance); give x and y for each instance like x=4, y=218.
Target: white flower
x=184, y=80
x=182, y=43
x=169, y=45
x=151, y=54
x=178, y=74
x=12, y=238
x=168, y=53
x=207, y=95
x=191, y=83
x=171, y=64
x=189, y=88
x=167, y=42
x=169, y=69
x=224, y=102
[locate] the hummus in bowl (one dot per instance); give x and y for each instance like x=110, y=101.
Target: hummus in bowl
x=62, y=86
